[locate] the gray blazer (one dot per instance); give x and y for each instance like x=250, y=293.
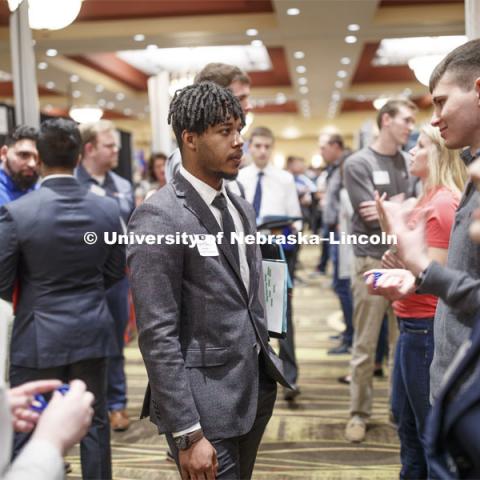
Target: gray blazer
x=200, y=331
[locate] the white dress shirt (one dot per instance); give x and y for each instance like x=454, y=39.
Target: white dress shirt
x=279, y=192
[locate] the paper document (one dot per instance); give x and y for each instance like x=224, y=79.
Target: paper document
x=275, y=275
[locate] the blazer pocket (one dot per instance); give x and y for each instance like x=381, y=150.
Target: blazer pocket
x=208, y=357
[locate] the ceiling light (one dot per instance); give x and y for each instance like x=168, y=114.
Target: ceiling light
x=52, y=14
x=50, y=85
x=86, y=114
x=74, y=78
x=102, y=102
x=48, y=106
x=336, y=97
x=303, y=90
x=293, y=11
x=42, y=65
x=361, y=98
x=353, y=27
x=76, y=94
x=301, y=69
x=338, y=84
x=120, y=96
x=257, y=43
x=302, y=81
x=139, y=37
x=379, y=102
x=298, y=54
x=280, y=98
x=51, y=52
x=127, y=111
x=99, y=88
x=291, y=133
x=152, y=46
x=251, y=32
x=351, y=39
x=345, y=61
x=423, y=67
x=110, y=105
x=342, y=74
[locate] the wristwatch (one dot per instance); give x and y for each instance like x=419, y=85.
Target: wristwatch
x=184, y=442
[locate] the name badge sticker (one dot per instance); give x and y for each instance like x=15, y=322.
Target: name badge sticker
x=381, y=177
x=207, y=246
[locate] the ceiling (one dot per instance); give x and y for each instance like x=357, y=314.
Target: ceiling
x=87, y=66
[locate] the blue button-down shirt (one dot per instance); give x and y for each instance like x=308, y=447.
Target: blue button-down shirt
x=8, y=190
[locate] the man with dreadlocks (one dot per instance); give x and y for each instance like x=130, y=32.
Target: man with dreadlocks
x=201, y=324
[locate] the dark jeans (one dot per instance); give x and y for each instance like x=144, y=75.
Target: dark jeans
x=411, y=393
x=95, y=452
x=117, y=300
x=382, y=344
x=236, y=456
x=322, y=265
x=343, y=289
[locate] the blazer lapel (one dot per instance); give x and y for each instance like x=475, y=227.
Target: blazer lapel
x=195, y=204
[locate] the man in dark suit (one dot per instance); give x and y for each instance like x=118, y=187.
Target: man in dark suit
x=62, y=327
x=201, y=323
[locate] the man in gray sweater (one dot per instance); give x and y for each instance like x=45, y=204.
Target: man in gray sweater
x=380, y=167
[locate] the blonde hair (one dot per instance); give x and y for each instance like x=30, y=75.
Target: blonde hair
x=89, y=131
x=445, y=166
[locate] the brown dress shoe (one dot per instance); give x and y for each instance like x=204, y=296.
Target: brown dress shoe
x=119, y=420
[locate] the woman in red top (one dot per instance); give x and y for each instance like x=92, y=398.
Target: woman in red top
x=442, y=175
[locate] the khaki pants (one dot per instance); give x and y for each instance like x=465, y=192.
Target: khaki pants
x=368, y=313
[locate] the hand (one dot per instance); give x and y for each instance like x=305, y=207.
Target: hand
x=393, y=284
x=20, y=399
x=390, y=260
x=368, y=210
x=67, y=418
x=199, y=461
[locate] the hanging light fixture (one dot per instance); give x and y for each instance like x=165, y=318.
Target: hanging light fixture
x=86, y=114
x=52, y=14
x=423, y=66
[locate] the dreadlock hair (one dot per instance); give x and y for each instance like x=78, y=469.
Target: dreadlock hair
x=197, y=107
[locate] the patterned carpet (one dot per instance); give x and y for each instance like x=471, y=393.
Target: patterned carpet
x=303, y=442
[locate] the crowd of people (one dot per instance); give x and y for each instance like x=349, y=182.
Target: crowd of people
x=202, y=331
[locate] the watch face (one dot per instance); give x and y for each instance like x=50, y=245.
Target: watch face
x=181, y=442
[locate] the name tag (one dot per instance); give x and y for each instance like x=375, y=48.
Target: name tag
x=381, y=177
x=207, y=246
x=97, y=190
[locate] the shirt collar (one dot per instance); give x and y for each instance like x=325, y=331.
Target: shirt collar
x=468, y=157
x=205, y=191
x=56, y=175
x=265, y=170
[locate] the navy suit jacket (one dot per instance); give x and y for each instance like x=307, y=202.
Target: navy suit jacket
x=61, y=314
x=453, y=433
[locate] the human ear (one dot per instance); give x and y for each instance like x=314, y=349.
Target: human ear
x=477, y=90
x=189, y=140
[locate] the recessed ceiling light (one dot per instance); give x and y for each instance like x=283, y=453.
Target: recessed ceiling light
x=302, y=81
x=120, y=96
x=351, y=39
x=303, y=90
x=280, y=98
x=360, y=98
x=299, y=55
x=110, y=105
x=257, y=43
x=353, y=27
x=50, y=85
x=336, y=96
x=51, y=52
x=127, y=111
x=101, y=102
x=251, y=32
x=293, y=11
x=342, y=74
x=301, y=69
x=42, y=65
x=139, y=37
x=99, y=88
x=345, y=61
x=152, y=46
x=76, y=94
x=74, y=78
x=338, y=84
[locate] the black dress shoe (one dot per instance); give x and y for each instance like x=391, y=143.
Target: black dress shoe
x=378, y=372
x=289, y=394
x=342, y=349
x=345, y=379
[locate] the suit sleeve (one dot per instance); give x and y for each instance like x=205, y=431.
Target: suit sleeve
x=114, y=268
x=9, y=254
x=156, y=275
x=359, y=185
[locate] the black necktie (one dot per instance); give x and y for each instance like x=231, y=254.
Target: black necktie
x=257, y=198
x=220, y=202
